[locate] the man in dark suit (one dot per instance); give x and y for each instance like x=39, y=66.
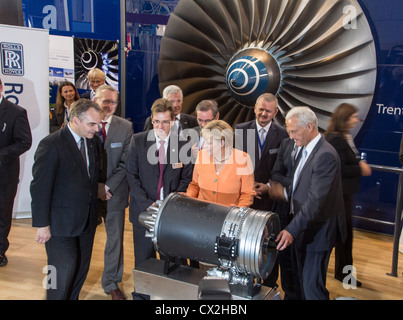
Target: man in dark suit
x=261, y=139
x=182, y=120
x=316, y=203
x=64, y=193
x=154, y=170
x=113, y=191
x=280, y=182
x=15, y=139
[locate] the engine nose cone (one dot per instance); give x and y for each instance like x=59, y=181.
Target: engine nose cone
x=251, y=73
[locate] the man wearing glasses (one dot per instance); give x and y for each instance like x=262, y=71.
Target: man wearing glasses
x=182, y=121
x=206, y=111
x=154, y=170
x=113, y=189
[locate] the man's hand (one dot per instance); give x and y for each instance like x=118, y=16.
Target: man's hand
x=276, y=191
x=43, y=235
x=261, y=189
x=103, y=192
x=284, y=239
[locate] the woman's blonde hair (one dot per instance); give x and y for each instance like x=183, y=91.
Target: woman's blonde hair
x=219, y=130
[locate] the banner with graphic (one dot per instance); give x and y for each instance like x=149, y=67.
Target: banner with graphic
x=61, y=59
x=25, y=75
x=101, y=54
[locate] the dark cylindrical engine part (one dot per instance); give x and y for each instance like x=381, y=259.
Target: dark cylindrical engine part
x=240, y=239
x=188, y=228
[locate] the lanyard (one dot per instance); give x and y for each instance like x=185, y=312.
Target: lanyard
x=67, y=115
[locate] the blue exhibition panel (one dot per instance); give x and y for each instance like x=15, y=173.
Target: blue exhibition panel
x=382, y=130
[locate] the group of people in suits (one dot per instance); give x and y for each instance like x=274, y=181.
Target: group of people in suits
x=93, y=164
x=296, y=173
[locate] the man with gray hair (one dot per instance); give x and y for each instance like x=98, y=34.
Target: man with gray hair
x=64, y=198
x=182, y=121
x=316, y=203
x=113, y=188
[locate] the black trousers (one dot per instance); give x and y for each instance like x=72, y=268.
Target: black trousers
x=7, y=195
x=69, y=258
x=290, y=278
x=344, y=250
x=312, y=267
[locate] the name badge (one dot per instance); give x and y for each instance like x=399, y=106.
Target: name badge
x=273, y=151
x=116, y=145
x=177, y=165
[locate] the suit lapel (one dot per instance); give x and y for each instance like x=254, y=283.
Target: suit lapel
x=71, y=145
x=112, y=130
x=252, y=126
x=91, y=157
x=3, y=110
x=151, y=144
x=309, y=159
x=184, y=121
x=270, y=137
x=172, y=151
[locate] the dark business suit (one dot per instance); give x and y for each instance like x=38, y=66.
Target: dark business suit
x=143, y=174
x=64, y=197
x=282, y=172
x=187, y=121
x=15, y=139
x=350, y=177
x=55, y=119
x=114, y=156
x=265, y=163
x=318, y=214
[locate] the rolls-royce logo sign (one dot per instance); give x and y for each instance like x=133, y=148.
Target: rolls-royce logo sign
x=12, y=59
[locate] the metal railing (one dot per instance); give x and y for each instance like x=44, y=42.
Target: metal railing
x=398, y=215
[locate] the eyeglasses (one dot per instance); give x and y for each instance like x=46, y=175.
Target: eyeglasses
x=158, y=122
x=204, y=121
x=106, y=101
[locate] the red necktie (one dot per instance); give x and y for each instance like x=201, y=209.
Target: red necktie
x=103, y=131
x=161, y=157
